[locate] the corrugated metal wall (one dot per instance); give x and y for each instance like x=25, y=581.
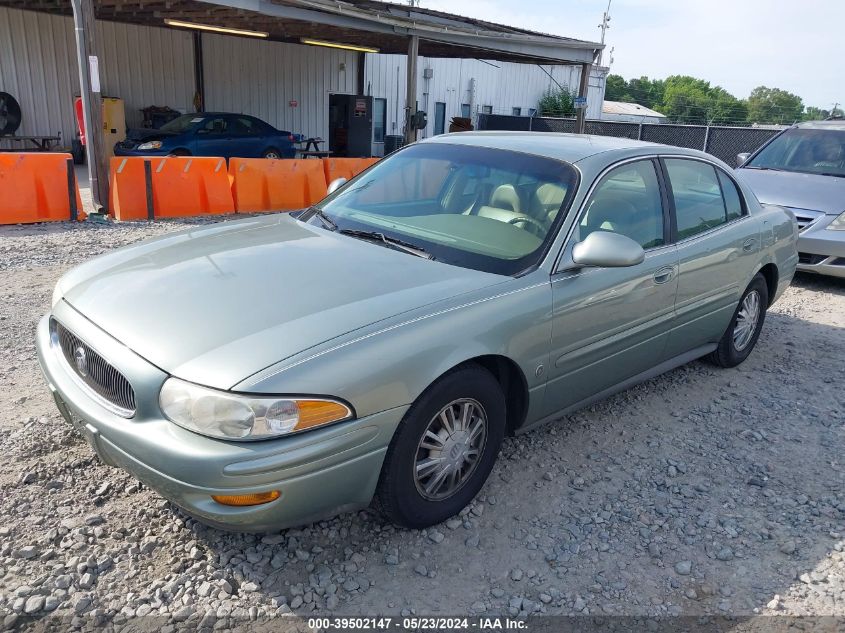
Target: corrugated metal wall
x=501, y=85
x=262, y=78
x=154, y=66
x=142, y=65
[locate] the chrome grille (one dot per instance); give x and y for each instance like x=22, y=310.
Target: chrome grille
x=107, y=384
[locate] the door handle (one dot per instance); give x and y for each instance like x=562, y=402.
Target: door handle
x=748, y=245
x=664, y=274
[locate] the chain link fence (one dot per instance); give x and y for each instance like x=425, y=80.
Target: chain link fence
x=722, y=142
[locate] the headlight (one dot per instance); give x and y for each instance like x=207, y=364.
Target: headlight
x=150, y=145
x=838, y=224
x=232, y=416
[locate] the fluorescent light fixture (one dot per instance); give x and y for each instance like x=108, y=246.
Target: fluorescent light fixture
x=346, y=47
x=215, y=29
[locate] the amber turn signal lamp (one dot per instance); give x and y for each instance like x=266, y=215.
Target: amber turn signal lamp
x=316, y=412
x=255, y=499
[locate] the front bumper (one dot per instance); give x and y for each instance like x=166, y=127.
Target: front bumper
x=319, y=473
x=821, y=250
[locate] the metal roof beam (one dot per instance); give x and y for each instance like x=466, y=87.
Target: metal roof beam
x=489, y=43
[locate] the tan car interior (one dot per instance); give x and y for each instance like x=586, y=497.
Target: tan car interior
x=531, y=207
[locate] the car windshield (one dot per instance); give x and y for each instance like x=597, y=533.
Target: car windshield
x=811, y=151
x=486, y=209
x=181, y=123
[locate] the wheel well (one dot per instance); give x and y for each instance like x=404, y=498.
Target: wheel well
x=770, y=274
x=514, y=386
x=180, y=151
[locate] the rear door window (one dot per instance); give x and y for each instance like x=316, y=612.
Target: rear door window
x=697, y=194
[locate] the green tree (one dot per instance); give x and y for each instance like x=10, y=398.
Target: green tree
x=560, y=102
x=687, y=99
x=726, y=109
x=616, y=89
x=647, y=92
x=773, y=105
x=813, y=113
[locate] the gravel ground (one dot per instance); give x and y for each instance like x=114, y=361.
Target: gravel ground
x=701, y=492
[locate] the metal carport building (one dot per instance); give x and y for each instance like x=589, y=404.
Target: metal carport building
x=141, y=51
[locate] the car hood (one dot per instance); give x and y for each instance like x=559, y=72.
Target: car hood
x=139, y=135
x=796, y=190
x=216, y=304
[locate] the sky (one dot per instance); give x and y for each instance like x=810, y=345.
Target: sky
x=736, y=44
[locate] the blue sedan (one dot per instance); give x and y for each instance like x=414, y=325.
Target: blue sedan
x=210, y=134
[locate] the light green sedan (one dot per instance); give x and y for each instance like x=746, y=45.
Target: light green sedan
x=271, y=371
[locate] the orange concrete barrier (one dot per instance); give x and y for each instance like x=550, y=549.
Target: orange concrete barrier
x=345, y=167
x=38, y=187
x=266, y=184
x=129, y=198
x=170, y=187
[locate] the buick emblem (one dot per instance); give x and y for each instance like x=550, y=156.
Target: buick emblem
x=81, y=361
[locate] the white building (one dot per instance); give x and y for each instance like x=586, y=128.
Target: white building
x=449, y=88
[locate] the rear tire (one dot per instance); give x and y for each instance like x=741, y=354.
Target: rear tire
x=468, y=401
x=272, y=153
x=744, y=329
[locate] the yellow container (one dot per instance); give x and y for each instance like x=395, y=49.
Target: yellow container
x=114, y=123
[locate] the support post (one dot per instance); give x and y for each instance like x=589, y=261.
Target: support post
x=92, y=103
x=360, y=68
x=411, y=88
x=199, y=74
x=583, y=86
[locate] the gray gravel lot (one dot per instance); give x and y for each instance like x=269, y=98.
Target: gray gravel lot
x=704, y=491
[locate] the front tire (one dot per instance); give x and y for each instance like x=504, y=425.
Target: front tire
x=744, y=330
x=444, y=449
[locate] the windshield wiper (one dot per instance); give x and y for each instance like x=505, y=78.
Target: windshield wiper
x=401, y=245
x=763, y=168
x=326, y=220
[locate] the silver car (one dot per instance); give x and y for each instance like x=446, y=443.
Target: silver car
x=270, y=371
x=803, y=169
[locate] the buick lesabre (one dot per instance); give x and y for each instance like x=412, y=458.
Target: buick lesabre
x=273, y=370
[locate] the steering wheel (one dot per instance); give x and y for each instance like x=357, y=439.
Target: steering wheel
x=539, y=228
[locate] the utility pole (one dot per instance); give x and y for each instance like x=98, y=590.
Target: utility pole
x=411, y=88
x=605, y=24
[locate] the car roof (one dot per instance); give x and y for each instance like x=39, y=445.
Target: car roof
x=832, y=124
x=559, y=146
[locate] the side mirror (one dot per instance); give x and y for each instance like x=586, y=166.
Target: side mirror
x=335, y=184
x=741, y=158
x=604, y=249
